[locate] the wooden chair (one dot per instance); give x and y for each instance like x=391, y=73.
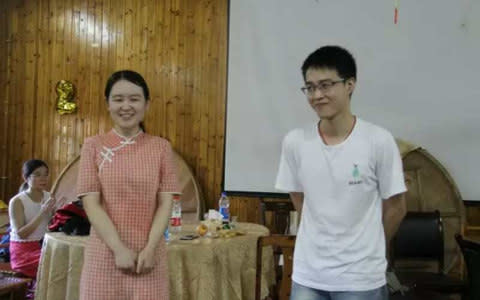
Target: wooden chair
x=193, y=202
x=64, y=188
x=14, y=287
x=471, y=254
x=283, y=284
x=419, y=240
x=279, y=209
x=431, y=187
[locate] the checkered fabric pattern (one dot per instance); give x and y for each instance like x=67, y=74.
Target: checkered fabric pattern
x=128, y=174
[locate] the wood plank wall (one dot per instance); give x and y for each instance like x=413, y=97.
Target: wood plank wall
x=180, y=46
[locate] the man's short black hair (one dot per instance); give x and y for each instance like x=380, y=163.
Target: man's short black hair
x=332, y=58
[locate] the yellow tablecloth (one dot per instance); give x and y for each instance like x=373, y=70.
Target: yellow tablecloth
x=202, y=269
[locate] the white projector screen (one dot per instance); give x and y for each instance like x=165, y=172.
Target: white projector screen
x=418, y=78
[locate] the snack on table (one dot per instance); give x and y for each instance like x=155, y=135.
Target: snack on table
x=212, y=226
x=228, y=233
x=202, y=229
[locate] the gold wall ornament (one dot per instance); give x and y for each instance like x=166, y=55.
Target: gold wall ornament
x=65, y=95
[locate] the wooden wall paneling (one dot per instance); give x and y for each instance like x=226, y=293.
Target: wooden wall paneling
x=150, y=62
x=178, y=70
x=192, y=89
x=204, y=103
x=26, y=82
x=119, y=9
x=55, y=63
x=222, y=18
x=141, y=22
x=188, y=86
x=138, y=45
x=472, y=229
x=86, y=79
x=211, y=95
x=151, y=76
x=138, y=38
x=179, y=46
x=15, y=101
x=75, y=53
x=196, y=95
x=90, y=66
x=63, y=21
x=86, y=66
x=107, y=59
x=154, y=73
x=218, y=68
x=170, y=61
x=46, y=94
x=163, y=80
x=129, y=30
x=92, y=82
x=166, y=76
x=155, y=116
x=48, y=82
x=245, y=208
x=42, y=29
x=133, y=37
x=4, y=97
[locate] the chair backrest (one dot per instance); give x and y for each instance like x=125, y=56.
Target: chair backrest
x=430, y=187
x=471, y=254
x=193, y=203
x=278, y=210
x=419, y=237
x=64, y=188
x=286, y=243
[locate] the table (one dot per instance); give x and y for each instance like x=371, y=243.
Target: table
x=15, y=287
x=203, y=268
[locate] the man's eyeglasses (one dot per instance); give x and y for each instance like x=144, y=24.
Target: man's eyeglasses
x=323, y=86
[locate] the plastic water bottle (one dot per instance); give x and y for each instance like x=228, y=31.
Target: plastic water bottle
x=166, y=234
x=224, y=208
x=176, y=218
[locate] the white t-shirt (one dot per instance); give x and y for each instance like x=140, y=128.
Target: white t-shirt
x=340, y=245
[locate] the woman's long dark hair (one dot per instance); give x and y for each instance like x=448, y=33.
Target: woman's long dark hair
x=132, y=77
x=28, y=168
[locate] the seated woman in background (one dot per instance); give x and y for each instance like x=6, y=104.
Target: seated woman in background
x=30, y=211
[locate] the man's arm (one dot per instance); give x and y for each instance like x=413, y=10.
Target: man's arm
x=297, y=200
x=394, y=210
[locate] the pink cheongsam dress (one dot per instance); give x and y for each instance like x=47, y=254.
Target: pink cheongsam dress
x=128, y=174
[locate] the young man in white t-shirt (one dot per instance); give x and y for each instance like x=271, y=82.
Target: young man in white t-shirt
x=345, y=177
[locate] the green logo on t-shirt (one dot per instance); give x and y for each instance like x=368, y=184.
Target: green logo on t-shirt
x=356, y=172
x=356, y=176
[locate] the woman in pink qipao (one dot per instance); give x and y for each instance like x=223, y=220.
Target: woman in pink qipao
x=127, y=179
